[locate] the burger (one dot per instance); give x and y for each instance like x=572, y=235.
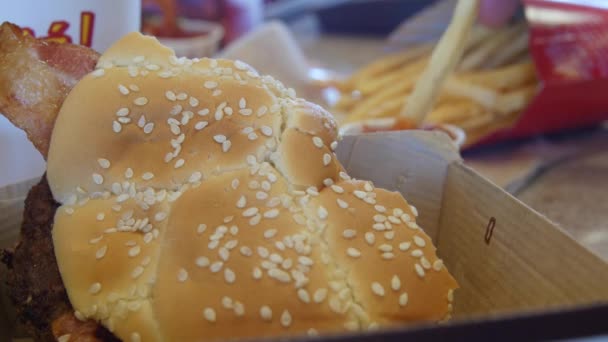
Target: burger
x=195, y=199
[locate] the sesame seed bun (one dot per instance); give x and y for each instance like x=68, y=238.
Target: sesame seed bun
x=203, y=201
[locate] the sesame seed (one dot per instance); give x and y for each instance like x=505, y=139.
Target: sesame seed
x=360, y=194
x=209, y=314
x=250, y=212
x=395, y=283
x=303, y=295
x=216, y=92
x=224, y=254
x=385, y=247
x=246, y=251
x=370, y=238
x=95, y=288
x=320, y=295
x=419, y=241
x=200, y=125
x=123, y=120
x=147, y=176
x=286, y=319
x=417, y=253
x=219, y=138
x=379, y=218
x=328, y=182
x=137, y=272
x=122, y=112
x=135, y=337
x=159, y=216
x=406, y=218
x=394, y=219
x=318, y=142
x=128, y=173
x=263, y=252
x=389, y=235
x=322, y=212
x=266, y=130
x=210, y=84
x=226, y=145
x=179, y=163
x=123, y=90
x=97, y=179
x=141, y=101
x=227, y=302
x=450, y=295
x=182, y=96
x=414, y=210
x=134, y=251
x=342, y=204
x=404, y=246
x=141, y=123
x=229, y=276
x=349, y=233
x=64, y=338
x=203, y=112
x=266, y=313
x=101, y=252
x=262, y=111
x=305, y=261
x=170, y=95
x=353, y=252
x=425, y=263
x=193, y=101
x=252, y=136
x=182, y=275
x=98, y=73
x=270, y=233
x=272, y=213
x=337, y=189
x=216, y=266
x=438, y=265
x=116, y=126
x=261, y=195
x=176, y=109
x=149, y=127
x=377, y=289
x=403, y=299
x=228, y=110
x=326, y=159
x=419, y=270
x=257, y=273
x=201, y=228
x=388, y=256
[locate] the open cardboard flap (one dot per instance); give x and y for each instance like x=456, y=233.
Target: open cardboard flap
x=507, y=258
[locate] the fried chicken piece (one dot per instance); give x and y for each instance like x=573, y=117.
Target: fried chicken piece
x=35, y=78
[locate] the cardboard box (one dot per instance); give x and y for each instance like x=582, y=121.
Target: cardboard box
x=509, y=260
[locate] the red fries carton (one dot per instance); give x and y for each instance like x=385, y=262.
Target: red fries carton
x=569, y=47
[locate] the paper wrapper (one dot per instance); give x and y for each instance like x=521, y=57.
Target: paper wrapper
x=507, y=258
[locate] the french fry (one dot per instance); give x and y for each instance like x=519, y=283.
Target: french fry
x=444, y=59
x=509, y=52
x=346, y=101
x=405, y=72
x=475, y=134
x=362, y=108
x=454, y=112
x=388, y=108
x=508, y=77
x=485, y=96
x=476, y=58
x=516, y=100
x=388, y=63
x=484, y=118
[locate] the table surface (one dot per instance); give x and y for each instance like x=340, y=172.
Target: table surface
x=563, y=177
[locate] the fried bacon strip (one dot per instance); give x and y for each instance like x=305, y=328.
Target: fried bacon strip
x=35, y=78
